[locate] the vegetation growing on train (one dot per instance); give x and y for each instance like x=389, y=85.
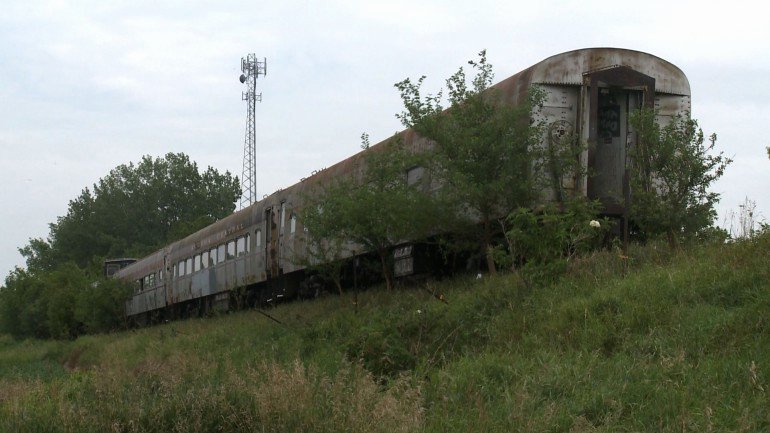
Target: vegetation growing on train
x=484, y=150
x=375, y=209
x=539, y=245
x=672, y=169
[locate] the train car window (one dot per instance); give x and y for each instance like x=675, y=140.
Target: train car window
x=188, y=266
x=197, y=262
x=160, y=276
x=283, y=216
x=259, y=238
x=110, y=269
x=151, y=280
x=414, y=175
x=221, y=253
x=248, y=242
x=137, y=286
x=146, y=283
x=230, y=250
x=181, y=268
x=213, y=256
x=205, y=259
x=293, y=223
x=240, y=246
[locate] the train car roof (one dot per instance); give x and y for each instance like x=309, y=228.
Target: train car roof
x=569, y=68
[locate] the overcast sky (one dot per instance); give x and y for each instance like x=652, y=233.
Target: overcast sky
x=88, y=85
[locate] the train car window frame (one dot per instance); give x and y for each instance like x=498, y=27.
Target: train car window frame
x=221, y=253
x=188, y=266
x=181, y=268
x=248, y=242
x=205, y=259
x=213, y=256
x=414, y=175
x=197, y=263
x=240, y=246
x=111, y=268
x=293, y=223
x=230, y=253
x=258, y=234
x=283, y=216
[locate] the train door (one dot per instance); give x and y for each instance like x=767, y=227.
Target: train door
x=271, y=244
x=613, y=94
x=615, y=136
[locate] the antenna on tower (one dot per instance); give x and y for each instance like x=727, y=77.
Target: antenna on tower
x=251, y=68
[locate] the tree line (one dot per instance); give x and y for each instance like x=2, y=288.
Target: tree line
x=131, y=212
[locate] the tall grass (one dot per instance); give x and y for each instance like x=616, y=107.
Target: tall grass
x=663, y=341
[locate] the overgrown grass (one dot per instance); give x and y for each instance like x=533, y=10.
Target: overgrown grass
x=668, y=341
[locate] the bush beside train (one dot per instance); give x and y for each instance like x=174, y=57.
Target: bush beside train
x=589, y=94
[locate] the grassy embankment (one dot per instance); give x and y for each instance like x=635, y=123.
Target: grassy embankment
x=681, y=343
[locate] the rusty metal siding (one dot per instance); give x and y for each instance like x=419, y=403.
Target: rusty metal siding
x=144, y=300
x=568, y=68
x=559, y=116
x=669, y=106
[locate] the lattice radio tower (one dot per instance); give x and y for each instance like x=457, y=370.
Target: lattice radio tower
x=251, y=68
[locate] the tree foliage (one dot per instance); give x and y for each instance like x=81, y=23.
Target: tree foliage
x=672, y=169
x=374, y=209
x=541, y=243
x=61, y=303
x=134, y=210
x=484, y=148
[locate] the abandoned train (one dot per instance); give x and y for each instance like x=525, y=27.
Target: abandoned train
x=589, y=93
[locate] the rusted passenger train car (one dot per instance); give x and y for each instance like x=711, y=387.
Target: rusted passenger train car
x=589, y=93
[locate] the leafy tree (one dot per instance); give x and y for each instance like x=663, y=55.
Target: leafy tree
x=134, y=210
x=374, y=209
x=484, y=149
x=542, y=242
x=672, y=170
x=61, y=303
x=325, y=257
x=23, y=305
x=61, y=290
x=100, y=305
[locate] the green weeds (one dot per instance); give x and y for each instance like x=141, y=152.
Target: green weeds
x=661, y=341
